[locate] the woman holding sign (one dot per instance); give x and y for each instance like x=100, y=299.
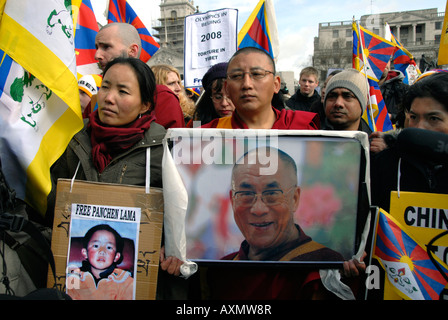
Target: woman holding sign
x=120, y=139
x=113, y=145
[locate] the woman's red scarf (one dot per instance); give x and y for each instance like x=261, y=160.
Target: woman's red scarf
x=108, y=142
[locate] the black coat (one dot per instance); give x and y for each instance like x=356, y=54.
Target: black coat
x=423, y=167
x=300, y=102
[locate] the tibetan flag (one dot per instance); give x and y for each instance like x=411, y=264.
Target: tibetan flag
x=39, y=99
x=402, y=62
x=260, y=29
x=85, y=33
x=443, y=47
x=376, y=114
x=121, y=11
x=371, y=53
x=401, y=58
x=408, y=266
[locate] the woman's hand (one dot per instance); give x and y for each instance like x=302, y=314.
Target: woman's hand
x=170, y=264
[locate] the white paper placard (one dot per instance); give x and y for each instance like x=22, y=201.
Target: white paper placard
x=210, y=38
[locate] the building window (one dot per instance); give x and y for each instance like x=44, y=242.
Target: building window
x=335, y=34
x=438, y=25
x=336, y=44
x=348, y=33
x=348, y=44
x=173, y=14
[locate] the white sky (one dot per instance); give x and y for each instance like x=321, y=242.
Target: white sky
x=297, y=20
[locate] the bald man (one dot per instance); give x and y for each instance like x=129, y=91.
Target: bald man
x=117, y=40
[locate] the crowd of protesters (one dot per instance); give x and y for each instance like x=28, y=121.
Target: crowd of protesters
x=133, y=106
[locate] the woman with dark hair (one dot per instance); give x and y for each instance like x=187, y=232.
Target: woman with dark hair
x=213, y=102
x=426, y=103
x=112, y=147
x=119, y=139
x=415, y=160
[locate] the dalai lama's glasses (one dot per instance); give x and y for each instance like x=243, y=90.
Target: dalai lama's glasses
x=270, y=197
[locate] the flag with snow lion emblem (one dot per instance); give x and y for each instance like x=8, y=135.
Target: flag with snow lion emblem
x=408, y=266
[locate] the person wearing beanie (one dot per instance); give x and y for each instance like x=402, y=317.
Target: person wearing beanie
x=88, y=86
x=213, y=103
x=346, y=98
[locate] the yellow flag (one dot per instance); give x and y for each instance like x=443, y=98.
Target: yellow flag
x=39, y=99
x=443, y=48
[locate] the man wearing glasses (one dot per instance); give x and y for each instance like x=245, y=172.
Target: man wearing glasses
x=251, y=84
x=264, y=207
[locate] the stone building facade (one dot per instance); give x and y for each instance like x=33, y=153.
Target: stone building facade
x=419, y=31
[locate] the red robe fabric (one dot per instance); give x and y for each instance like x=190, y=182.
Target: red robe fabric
x=286, y=120
x=167, y=109
x=269, y=282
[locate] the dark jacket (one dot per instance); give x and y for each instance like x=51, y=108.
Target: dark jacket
x=128, y=168
x=363, y=126
x=300, y=102
x=393, y=91
x=423, y=167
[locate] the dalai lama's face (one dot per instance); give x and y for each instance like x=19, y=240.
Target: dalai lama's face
x=264, y=206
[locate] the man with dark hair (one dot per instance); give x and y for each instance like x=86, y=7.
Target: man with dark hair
x=251, y=84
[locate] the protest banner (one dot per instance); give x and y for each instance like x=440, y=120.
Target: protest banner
x=425, y=216
x=135, y=215
x=210, y=38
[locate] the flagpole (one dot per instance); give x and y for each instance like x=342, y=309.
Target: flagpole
x=365, y=73
x=374, y=230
